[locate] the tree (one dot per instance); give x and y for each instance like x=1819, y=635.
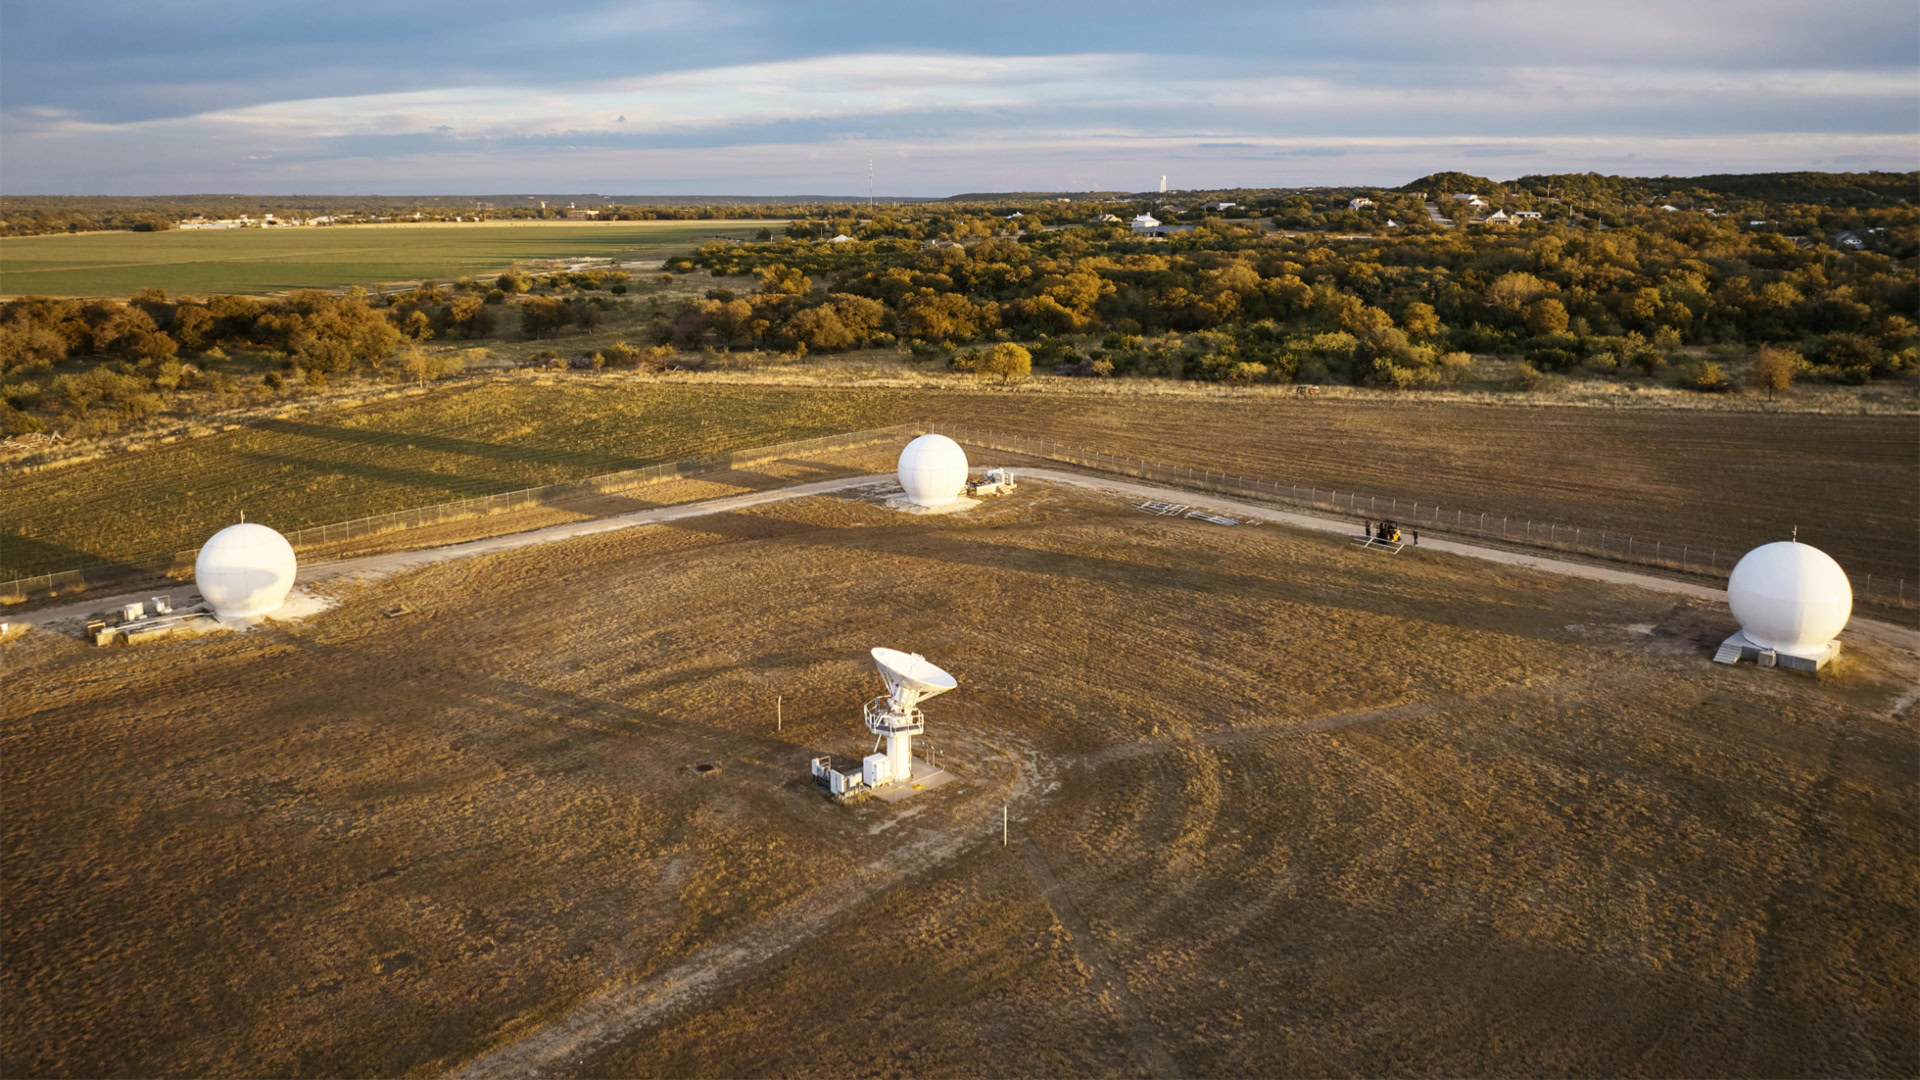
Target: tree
x=1546, y=316
x=470, y=316
x=1773, y=369
x=1512, y=291
x=1421, y=321
x=1010, y=362
x=544, y=316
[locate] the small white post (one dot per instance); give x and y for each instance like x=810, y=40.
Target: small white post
x=779, y=719
x=1003, y=824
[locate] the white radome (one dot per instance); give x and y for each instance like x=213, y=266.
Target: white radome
x=933, y=470
x=244, y=571
x=1790, y=597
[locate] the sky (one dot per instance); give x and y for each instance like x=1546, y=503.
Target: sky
x=741, y=97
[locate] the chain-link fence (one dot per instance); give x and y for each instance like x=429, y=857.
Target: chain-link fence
x=1707, y=560
x=180, y=563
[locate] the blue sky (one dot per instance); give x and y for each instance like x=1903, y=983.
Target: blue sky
x=750, y=98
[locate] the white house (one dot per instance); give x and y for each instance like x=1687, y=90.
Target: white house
x=1498, y=217
x=1224, y=205
x=1359, y=204
x=1527, y=215
x=1015, y=214
x=843, y=238
x=1470, y=199
x=1392, y=224
x=1145, y=222
x=1670, y=209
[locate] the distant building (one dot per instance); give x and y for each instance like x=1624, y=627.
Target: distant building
x=1107, y=219
x=1498, y=217
x=1470, y=199
x=1392, y=224
x=1670, y=209
x=1015, y=214
x=1849, y=240
x=843, y=238
x=1146, y=225
x=938, y=245
x=1359, y=204
x=581, y=215
x=1224, y=205
x=1526, y=215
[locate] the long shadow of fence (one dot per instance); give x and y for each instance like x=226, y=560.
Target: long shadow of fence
x=180, y=563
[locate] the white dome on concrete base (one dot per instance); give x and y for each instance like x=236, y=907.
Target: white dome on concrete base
x=1790, y=597
x=933, y=470
x=244, y=571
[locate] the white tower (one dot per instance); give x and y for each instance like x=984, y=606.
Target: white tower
x=1163, y=185
x=910, y=679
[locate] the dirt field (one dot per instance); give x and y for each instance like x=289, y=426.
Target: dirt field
x=1279, y=807
x=1712, y=479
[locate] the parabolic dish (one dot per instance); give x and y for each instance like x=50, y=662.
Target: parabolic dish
x=913, y=671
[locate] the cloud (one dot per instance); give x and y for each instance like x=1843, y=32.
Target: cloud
x=624, y=96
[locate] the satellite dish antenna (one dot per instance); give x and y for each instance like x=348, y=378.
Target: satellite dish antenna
x=911, y=679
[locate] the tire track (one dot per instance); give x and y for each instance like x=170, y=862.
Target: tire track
x=1108, y=981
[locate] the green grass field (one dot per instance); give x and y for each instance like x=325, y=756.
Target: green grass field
x=204, y=262
x=469, y=441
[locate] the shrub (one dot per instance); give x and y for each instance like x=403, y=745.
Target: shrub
x=1010, y=362
x=1709, y=378
x=1534, y=381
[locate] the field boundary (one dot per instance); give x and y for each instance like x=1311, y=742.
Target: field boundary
x=1693, y=560
x=179, y=564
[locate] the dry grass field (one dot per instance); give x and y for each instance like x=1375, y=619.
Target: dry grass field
x=1279, y=807
x=1723, y=480
x=1712, y=479
x=476, y=439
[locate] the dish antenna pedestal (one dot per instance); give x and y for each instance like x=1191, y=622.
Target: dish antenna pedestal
x=910, y=679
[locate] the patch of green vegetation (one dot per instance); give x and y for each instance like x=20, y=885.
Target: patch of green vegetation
x=470, y=441
x=275, y=260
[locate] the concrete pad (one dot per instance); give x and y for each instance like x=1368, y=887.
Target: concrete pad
x=925, y=778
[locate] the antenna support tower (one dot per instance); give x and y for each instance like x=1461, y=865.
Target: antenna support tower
x=910, y=679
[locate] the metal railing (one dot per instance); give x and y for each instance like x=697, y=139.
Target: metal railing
x=180, y=563
x=1708, y=560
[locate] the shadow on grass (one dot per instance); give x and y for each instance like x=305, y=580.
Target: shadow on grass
x=384, y=440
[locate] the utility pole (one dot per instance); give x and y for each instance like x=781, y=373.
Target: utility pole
x=1003, y=824
x=779, y=721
